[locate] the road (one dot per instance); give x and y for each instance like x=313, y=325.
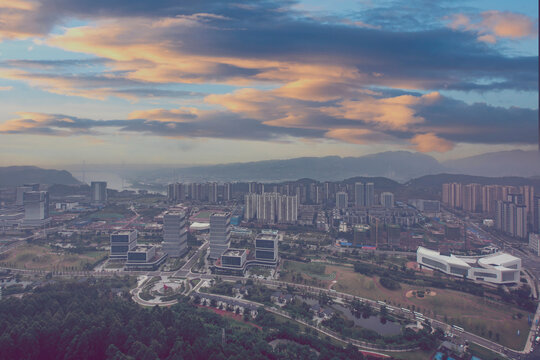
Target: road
x=185, y=272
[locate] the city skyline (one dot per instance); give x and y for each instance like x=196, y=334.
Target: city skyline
x=221, y=82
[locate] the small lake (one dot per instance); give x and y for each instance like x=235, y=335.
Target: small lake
x=371, y=323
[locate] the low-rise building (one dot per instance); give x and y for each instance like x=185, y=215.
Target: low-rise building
x=498, y=268
x=122, y=242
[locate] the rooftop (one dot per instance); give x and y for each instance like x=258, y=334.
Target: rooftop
x=234, y=252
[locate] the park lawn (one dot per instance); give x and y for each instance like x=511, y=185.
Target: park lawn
x=37, y=257
x=473, y=313
x=311, y=269
x=410, y=355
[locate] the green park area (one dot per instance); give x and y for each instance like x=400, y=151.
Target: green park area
x=202, y=216
x=41, y=257
x=490, y=319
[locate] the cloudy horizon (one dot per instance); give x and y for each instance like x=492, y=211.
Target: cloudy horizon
x=219, y=82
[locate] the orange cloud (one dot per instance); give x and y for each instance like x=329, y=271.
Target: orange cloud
x=430, y=142
x=493, y=24
x=390, y=113
x=17, y=19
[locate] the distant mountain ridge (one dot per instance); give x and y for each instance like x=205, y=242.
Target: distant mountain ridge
x=17, y=175
x=397, y=165
x=501, y=163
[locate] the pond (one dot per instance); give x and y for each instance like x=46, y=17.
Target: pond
x=372, y=323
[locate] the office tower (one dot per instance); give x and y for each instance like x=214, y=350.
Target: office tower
x=387, y=199
x=266, y=247
x=342, y=200
x=122, y=242
x=98, y=192
x=219, y=234
x=20, y=192
x=174, y=233
x=36, y=207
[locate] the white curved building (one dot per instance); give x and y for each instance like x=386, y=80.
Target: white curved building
x=498, y=268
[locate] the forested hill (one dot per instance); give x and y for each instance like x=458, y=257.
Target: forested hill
x=18, y=175
x=86, y=320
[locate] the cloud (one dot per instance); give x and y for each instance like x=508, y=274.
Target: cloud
x=492, y=25
x=430, y=122
x=6, y=88
x=94, y=85
x=430, y=142
x=175, y=123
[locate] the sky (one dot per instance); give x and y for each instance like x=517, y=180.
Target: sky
x=217, y=81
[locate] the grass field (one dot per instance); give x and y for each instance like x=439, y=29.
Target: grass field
x=203, y=215
x=312, y=269
x=473, y=313
x=44, y=258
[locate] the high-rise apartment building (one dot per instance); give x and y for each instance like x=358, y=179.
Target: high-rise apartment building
x=536, y=214
x=342, y=200
x=213, y=192
x=270, y=208
x=364, y=194
x=174, y=233
x=387, y=200
x=534, y=243
x=452, y=195
x=472, y=198
x=98, y=192
x=511, y=217
x=227, y=192
x=219, y=234
x=176, y=192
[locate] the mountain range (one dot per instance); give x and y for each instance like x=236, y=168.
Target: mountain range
x=17, y=175
x=397, y=165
